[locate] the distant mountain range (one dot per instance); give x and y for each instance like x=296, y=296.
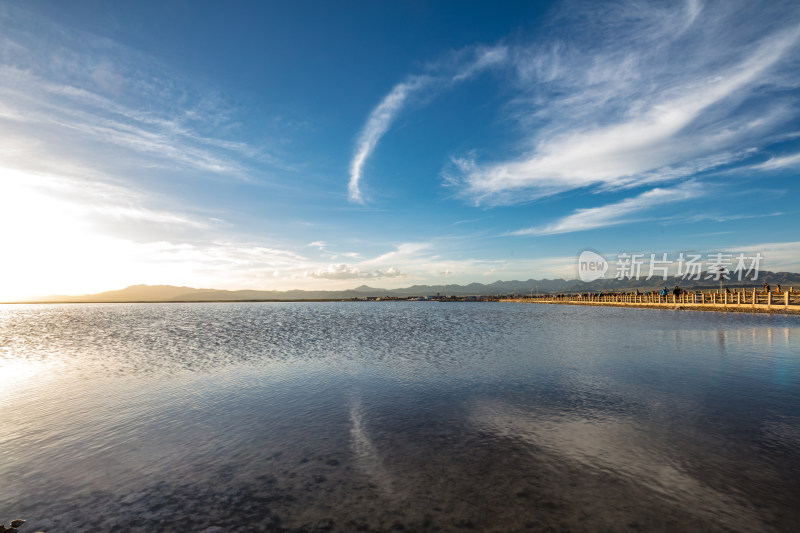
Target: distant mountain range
x=169, y=293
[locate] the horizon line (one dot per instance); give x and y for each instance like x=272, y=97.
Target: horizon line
x=77, y=298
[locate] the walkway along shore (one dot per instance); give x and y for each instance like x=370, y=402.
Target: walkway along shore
x=748, y=301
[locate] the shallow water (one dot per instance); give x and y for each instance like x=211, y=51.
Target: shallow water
x=383, y=416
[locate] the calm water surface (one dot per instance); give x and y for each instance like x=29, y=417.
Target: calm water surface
x=397, y=416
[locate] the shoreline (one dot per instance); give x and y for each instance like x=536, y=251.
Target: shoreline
x=720, y=308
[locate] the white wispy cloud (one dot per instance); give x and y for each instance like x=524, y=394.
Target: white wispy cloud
x=645, y=93
x=74, y=94
x=408, y=263
x=325, y=250
x=778, y=256
x=447, y=72
x=64, y=119
x=378, y=122
x=774, y=163
x=484, y=57
x=92, y=202
x=343, y=271
x=638, y=111
x=616, y=213
x=728, y=218
x=448, y=257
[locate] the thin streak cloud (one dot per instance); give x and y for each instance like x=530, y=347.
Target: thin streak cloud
x=775, y=163
x=446, y=73
x=377, y=124
x=617, y=213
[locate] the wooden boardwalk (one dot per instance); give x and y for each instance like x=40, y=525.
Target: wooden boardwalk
x=787, y=301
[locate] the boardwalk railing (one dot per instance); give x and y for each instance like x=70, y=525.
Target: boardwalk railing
x=741, y=298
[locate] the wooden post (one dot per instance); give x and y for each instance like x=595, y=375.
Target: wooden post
x=754, y=297
x=738, y=298
x=786, y=299
x=769, y=298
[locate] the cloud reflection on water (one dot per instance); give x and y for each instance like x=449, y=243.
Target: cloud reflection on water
x=367, y=455
x=617, y=446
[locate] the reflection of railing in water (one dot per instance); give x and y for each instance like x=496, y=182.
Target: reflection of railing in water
x=738, y=299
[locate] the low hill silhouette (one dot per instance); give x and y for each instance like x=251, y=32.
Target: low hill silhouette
x=170, y=293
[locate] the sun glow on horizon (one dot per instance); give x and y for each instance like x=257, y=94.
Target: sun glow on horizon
x=51, y=248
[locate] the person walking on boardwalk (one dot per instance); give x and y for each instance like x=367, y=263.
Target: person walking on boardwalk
x=778, y=288
x=766, y=287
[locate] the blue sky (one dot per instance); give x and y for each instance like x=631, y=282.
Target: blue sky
x=333, y=144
